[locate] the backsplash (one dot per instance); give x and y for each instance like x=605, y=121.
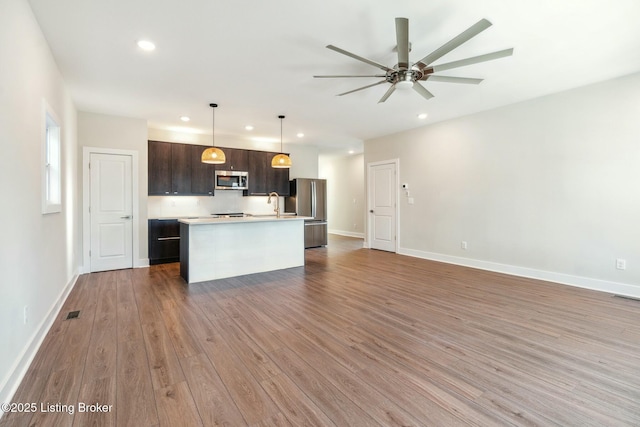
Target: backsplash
x=222, y=202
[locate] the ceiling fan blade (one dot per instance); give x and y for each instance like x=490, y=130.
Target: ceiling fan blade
x=359, y=58
x=361, y=88
x=461, y=38
x=450, y=79
x=388, y=93
x=422, y=90
x=473, y=60
x=402, y=40
x=341, y=76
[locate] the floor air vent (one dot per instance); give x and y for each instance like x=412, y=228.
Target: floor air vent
x=73, y=315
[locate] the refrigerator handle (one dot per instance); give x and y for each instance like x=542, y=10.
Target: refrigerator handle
x=313, y=199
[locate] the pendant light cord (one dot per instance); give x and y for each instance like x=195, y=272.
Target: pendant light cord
x=213, y=124
x=281, y=118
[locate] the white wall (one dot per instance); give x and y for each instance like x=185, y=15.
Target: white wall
x=38, y=253
x=345, y=193
x=545, y=188
x=104, y=131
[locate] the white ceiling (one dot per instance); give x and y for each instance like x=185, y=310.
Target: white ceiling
x=256, y=59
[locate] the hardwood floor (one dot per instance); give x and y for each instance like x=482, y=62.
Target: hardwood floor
x=355, y=338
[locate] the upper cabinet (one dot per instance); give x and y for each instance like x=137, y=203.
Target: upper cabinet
x=176, y=170
x=257, y=173
x=180, y=169
x=237, y=160
x=277, y=179
x=263, y=179
x=159, y=172
x=202, y=174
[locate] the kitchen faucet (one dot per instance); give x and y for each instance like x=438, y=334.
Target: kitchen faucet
x=277, y=209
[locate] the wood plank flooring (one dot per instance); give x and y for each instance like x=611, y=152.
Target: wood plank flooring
x=355, y=338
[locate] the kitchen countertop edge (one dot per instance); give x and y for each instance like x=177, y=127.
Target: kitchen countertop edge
x=249, y=219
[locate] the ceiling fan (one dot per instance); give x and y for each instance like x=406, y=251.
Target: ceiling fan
x=405, y=74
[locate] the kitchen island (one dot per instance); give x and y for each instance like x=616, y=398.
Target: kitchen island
x=216, y=248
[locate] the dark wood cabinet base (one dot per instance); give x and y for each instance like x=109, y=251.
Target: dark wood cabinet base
x=164, y=241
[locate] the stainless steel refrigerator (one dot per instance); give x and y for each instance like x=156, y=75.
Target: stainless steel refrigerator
x=308, y=197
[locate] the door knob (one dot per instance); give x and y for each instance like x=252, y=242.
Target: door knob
x=371, y=210
x=126, y=217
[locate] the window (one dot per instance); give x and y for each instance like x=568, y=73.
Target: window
x=52, y=173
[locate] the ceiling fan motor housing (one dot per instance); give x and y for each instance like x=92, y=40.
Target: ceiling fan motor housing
x=404, y=75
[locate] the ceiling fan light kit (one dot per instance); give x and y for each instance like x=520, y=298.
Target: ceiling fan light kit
x=405, y=75
x=213, y=155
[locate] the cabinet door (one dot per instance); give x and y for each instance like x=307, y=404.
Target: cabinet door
x=202, y=174
x=281, y=183
x=180, y=169
x=258, y=173
x=159, y=168
x=237, y=160
x=277, y=178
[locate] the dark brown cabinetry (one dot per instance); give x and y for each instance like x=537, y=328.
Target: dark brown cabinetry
x=277, y=179
x=159, y=168
x=263, y=179
x=259, y=161
x=202, y=174
x=164, y=241
x=180, y=169
x=237, y=160
x=176, y=169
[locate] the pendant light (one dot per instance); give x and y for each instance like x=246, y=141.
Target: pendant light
x=281, y=161
x=213, y=155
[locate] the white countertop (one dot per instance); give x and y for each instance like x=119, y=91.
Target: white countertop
x=246, y=219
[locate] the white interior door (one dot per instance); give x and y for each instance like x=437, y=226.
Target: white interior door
x=111, y=212
x=382, y=206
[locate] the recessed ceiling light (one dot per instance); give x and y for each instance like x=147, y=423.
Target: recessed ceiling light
x=351, y=151
x=300, y=134
x=146, y=45
x=248, y=127
x=185, y=118
x=422, y=116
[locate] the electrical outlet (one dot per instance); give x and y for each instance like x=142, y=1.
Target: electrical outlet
x=463, y=245
x=621, y=264
x=26, y=314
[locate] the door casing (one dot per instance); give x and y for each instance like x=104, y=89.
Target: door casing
x=86, y=199
x=370, y=168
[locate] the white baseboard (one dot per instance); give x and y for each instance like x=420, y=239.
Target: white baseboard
x=18, y=371
x=140, y=263
x=347, y=233
x=565, y=279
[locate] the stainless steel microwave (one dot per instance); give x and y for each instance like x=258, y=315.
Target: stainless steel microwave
x=232, y=180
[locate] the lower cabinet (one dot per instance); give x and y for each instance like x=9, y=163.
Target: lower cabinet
x=164, y=241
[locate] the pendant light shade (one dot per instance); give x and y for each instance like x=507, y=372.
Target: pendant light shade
x=281, y=160
x=213, y=155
